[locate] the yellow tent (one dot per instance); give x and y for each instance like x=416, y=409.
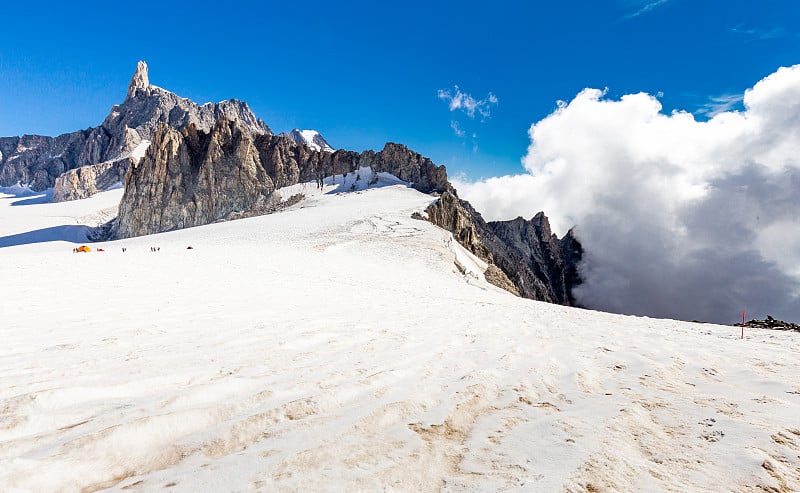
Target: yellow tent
x=84, y=248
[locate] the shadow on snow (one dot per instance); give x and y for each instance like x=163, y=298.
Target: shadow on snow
x=70, y=233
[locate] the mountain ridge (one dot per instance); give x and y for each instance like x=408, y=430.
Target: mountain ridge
x=185, y=164
x=37, y=161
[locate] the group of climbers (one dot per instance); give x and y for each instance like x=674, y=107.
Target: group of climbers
x=86, y=249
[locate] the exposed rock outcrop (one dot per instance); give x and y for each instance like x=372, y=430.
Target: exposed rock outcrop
x=83, y=182
x=496, y=276
x=458, y=217
x=771, y=323
x=37, y=161
x=189, y=178
x=532, y=259
x=541, y=266
x=409, y=166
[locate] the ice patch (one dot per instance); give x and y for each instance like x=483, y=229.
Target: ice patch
x=140, y=150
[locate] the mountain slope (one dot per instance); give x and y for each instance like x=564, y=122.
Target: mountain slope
x=190, y=178
x=336, y=346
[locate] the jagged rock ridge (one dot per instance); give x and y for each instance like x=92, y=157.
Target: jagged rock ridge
x=534, y=260
x=37, y=161
x=83, y=182
x=191, y=177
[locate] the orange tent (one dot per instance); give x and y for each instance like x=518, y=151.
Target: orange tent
x=84, y=248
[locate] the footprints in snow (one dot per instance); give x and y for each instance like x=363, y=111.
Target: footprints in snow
x=383, y=227
x=710, y=435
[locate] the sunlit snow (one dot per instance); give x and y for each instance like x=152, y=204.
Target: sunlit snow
x=335, y=346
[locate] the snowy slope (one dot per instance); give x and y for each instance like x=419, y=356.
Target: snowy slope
x=334, y=346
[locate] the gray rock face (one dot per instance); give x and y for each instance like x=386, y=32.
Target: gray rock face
x=540, y=265
x=409, y=166
x=289, y=163
x=532, y=259
x=37, y=161
x=189, y=178
x=458, y=217
x=83, y=182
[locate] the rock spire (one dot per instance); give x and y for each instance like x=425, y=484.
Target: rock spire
x=139, y=81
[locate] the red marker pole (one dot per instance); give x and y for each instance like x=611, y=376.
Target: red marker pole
x=744, y=312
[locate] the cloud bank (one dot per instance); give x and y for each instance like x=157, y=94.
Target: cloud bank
x=679, y=218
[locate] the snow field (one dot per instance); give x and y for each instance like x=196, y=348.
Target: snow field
x=335, y=346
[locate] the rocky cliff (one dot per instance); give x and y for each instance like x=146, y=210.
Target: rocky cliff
x=541, y=266
x=37, y=161
x=531, y=258
x=191, y=177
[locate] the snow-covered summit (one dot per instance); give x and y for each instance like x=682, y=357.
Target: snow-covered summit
x=311, y=138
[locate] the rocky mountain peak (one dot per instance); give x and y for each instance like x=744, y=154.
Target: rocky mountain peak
x=42, y=162
x=542, y=225
x=139, y=81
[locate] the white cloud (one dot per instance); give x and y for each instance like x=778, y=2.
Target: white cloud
x=679, y=218
x=457, y=128
x=720, y=104
x=643, y=7
x=458, y=100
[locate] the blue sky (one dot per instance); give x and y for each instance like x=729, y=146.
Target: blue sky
x=363, y=73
